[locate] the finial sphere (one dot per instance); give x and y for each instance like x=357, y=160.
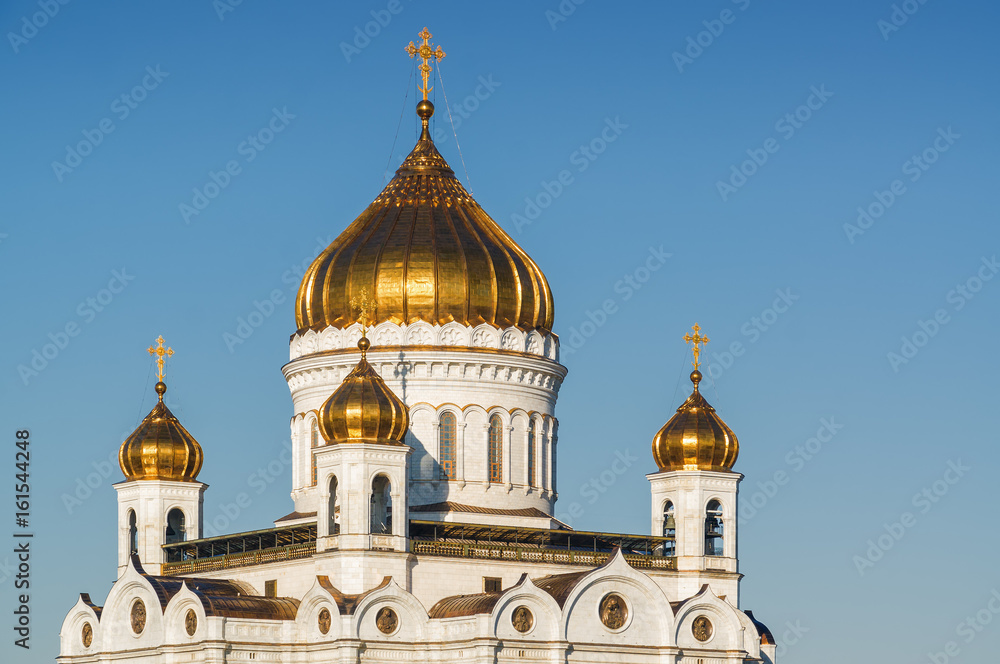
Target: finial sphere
x=364, y=344
x=161, y=388
x=696, y=377
x=425, y=109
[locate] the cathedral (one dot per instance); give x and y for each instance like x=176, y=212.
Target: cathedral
x=424, y=374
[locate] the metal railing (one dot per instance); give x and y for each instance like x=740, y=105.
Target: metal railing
x=245, y=559
x=535, y=555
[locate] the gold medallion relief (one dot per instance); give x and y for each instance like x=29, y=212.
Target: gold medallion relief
x=614, y=613
x=138, y=616
x=522, y=620
x=386, y=620
x=190, y=622
x=324, y=621
x=702, y=628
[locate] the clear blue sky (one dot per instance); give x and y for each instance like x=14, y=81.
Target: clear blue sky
x=547, y=87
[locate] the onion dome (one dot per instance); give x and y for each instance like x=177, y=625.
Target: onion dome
x=425, y=251
x=695, y=438
x=363, y=409
x=160, y=448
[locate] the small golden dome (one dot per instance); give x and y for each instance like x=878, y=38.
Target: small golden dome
x=425, y=251
x=695, y=438
x=160, y=448
x=363, y=409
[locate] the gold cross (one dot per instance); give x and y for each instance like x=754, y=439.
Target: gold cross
x=698, y=340
x=366, y=308
x=426, y=52
x=159, y=351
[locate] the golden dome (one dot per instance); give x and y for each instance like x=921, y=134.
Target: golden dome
x=695, y=438
x=160, y=448
x=363, y=408
x=425, y=251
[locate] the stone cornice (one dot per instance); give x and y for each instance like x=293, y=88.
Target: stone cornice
x=421, y=334
x=476, y=364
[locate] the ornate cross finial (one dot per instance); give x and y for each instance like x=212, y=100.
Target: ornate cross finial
x=426, y=52
x=366, y=309
x=699, y=340
x=160, y=352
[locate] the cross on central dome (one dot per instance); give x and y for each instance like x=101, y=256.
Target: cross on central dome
x=425, y=250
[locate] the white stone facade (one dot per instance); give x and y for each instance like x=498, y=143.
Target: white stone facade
x=470, y=372
x=565, y=625
x=152, y=502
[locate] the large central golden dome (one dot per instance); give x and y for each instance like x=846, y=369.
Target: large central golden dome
x=424, y=250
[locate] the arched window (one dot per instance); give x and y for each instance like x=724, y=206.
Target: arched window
x=669, y=530
x=447, y=444
x=175, y=526
x=133, y=534
x=381, y=506
x=713, y=529
x=334, y=507
x=496, y=449
x=314, y=442
x=531, y=453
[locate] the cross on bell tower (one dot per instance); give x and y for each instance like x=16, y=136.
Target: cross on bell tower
x=161, y=353
x=699, y=340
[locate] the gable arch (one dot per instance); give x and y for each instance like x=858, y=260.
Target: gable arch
x=71, y=632
x=116, y=624
x=727, y=628
x=545, y=611
x=412, y=616
x=318, y=597
x=647, y=623
x=174, y=615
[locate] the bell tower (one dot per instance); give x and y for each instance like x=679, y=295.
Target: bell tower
x=695, y=491
x=362, y=469
x=160, y=501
